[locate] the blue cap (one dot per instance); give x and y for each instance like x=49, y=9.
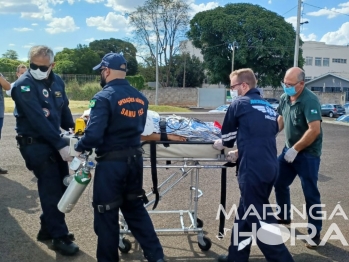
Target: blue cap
x=112, y=61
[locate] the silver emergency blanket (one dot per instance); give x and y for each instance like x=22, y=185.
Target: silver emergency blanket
x=191, y=128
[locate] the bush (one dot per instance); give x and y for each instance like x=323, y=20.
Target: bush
x=77, y=91
x=136, y=81
x=82, y=92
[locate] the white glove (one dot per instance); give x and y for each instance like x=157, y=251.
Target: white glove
x=290, y=155
x=232, y=156
x=218, y=144
x=64, y=152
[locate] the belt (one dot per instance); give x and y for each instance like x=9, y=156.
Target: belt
x=120, y=154
x=27, y=140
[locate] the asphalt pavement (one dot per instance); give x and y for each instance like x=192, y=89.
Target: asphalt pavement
x=20, y=208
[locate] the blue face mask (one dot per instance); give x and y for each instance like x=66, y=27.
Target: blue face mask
x=290, y=91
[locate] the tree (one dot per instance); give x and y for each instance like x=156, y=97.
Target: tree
x=188, y=71
x=265, y=42
x=162, y=23
x=104, y=46
x=64, y=67
x=10, y=54
x=82, y=59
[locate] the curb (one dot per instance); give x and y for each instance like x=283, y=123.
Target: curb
x=335, y=123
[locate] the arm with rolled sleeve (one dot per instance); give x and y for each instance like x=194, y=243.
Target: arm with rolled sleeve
x=312, y=113
x=96, y=126
x=230, y=126
x=30, y=105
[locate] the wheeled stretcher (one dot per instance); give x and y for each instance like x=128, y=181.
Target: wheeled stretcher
x=187, y=159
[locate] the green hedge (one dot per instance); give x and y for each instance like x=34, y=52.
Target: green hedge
x=78, y=91
x=75, y=91
x=136, y=81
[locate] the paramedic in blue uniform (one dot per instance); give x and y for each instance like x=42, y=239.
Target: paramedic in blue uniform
x=116, y=122
x=42, y=108
x=252, y=123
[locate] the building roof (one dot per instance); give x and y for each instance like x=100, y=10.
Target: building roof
x=341, y=75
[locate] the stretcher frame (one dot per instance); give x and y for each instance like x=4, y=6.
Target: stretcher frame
x=190, y=165
x=180, y=152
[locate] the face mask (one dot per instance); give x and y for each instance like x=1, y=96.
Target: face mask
x=290, y=91
x=233, y=94
x=38, y=74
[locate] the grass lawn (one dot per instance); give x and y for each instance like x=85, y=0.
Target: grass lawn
x=80, y=106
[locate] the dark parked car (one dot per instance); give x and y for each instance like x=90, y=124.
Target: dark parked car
x=332, y=110
x=273, y=102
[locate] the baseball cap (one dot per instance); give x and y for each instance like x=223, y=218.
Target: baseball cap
x=112, y=61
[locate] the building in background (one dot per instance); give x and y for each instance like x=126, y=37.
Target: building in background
x=326, y=66
x=321, y=59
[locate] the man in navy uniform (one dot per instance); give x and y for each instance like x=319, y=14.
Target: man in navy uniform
x=116, y=122
x=252, y=123
x=42, y=108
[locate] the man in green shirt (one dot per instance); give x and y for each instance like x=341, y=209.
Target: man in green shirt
x=300, y=117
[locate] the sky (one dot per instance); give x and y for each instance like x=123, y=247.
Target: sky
x=67, y=23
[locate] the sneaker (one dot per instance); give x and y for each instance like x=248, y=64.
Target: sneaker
x=316, y=240
x=223, y=258
x=65, y=246
x=44, y=235
x=3, y=171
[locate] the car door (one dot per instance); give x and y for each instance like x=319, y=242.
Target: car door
x=324, y=109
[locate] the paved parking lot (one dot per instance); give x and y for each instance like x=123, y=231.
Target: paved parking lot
x=20, y=208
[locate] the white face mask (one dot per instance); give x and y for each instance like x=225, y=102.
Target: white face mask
x=38, y=74
x=233, y=94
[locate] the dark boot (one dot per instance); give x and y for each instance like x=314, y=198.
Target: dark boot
x=65, y=246
x=3, y=171
x=44, y=235
x=316, y=240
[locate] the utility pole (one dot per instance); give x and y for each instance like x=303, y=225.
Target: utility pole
x=296, y=48
x=233, y=46
x=185, y=61
x=232, y=58
x=157, y=71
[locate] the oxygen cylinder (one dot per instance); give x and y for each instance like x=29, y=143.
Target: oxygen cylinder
x=76, y=187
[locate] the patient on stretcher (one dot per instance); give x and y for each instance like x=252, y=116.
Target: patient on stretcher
x=178, y=128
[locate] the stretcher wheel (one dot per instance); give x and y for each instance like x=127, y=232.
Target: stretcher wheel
x=127, y=245
x=199, y=223
x=207, y=245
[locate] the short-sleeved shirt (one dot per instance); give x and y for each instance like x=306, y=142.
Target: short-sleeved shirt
x=296, y=117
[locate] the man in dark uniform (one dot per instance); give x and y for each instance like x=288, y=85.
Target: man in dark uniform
x=42, y=107
x=116, y=122
x=252, y=123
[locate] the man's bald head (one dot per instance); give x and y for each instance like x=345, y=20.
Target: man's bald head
x=295, y=77
x=295, y=73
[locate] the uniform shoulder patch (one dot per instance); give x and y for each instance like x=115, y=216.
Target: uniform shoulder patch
x=25, y=88
x=92, y=103
x=313, y=111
